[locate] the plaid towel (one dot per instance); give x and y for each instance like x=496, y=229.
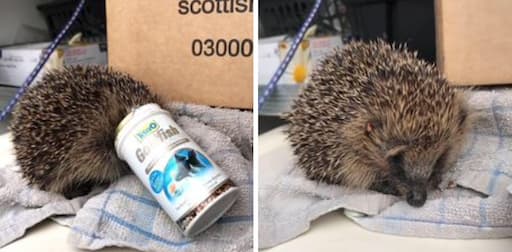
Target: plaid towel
x=479, y=207
x=126, y=215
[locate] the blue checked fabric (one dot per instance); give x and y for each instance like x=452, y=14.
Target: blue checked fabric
x=479, y=207
x=126, y=215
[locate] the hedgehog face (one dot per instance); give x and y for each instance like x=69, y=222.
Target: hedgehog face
x=414, y=169
x=412, y=154
x=411, y=166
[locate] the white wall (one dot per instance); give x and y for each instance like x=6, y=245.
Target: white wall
x=21, y=22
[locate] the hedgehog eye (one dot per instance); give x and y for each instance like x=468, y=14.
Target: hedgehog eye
x=441, y=161
x=396, y=160
x=396, y=165
x=462, y=117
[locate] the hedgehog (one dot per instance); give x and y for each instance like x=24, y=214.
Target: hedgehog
x=377, y=117
x=64, y=128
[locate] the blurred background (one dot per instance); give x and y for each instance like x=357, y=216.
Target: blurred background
x=337, y=22
x=28, y=26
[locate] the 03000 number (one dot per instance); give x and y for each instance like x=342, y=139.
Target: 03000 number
x=222, y=48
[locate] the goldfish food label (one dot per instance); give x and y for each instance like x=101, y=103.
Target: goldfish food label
x=171, y=166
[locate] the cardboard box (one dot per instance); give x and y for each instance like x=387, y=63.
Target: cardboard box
x=17, y=62
x=196, y=51
x=474, y=41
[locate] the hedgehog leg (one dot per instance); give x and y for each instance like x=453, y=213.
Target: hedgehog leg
x=436, y=179
x=77, y=190
x=69, y=185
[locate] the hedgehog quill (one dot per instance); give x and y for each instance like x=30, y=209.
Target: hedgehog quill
x=377, y=117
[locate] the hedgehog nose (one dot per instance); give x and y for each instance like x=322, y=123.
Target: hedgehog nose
x=416, y=198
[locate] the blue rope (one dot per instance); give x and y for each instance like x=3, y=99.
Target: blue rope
x=48, y=52
x=269, y=89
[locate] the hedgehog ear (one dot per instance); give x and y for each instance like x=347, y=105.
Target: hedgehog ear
x=371, y=126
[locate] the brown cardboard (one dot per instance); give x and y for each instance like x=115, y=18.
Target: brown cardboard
x=474, y=41
x=152, y=41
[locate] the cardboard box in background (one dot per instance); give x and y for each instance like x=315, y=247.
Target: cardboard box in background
x=17, y=62
x=474, y=41
x=178, y=48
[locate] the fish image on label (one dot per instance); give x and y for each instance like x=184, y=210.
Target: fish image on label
x=180, y=169
x=188, y=185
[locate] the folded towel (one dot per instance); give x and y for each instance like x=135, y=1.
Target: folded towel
x=125, y=214
x=479, y=207
x=21, y=206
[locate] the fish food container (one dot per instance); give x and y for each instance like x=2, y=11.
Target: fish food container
x=188, y=185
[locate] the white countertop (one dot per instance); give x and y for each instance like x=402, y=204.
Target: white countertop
x=48, y=237
x=335, y=232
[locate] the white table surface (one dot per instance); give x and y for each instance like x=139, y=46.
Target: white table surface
x=48, y=237
x=335, y=232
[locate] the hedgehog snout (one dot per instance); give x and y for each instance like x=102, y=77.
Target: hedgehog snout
x=417, y=196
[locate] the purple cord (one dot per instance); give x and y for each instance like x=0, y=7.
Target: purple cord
x=8, y=109
x=269, y=89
